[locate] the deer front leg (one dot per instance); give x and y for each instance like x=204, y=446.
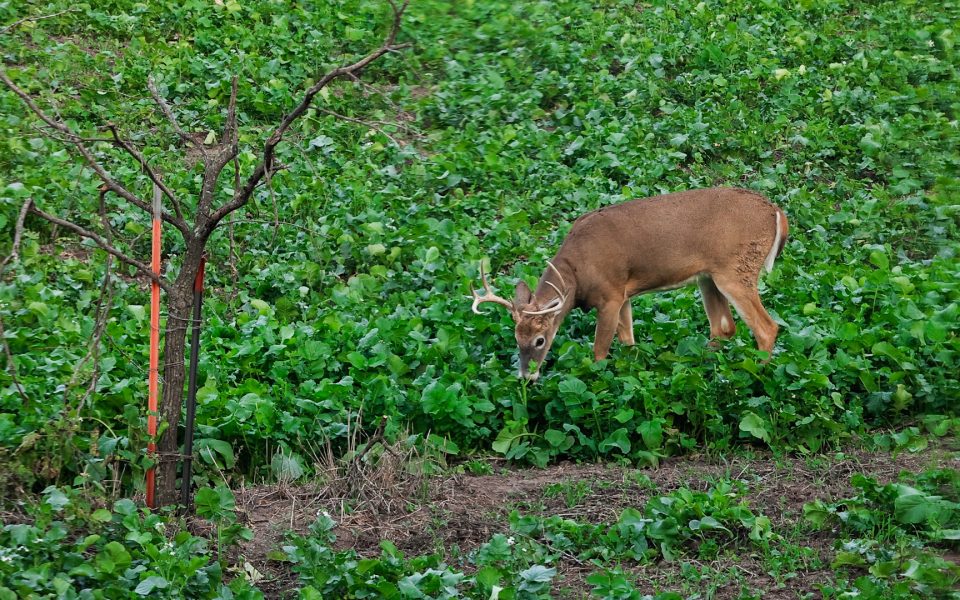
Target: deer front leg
x=625, y=326
x=608, y=317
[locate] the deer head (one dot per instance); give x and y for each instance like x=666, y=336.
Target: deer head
x=536, y=319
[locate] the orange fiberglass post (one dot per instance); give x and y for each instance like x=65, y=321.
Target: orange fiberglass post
x=154, y=372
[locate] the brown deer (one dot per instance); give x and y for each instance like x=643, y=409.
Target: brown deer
x=720, y=238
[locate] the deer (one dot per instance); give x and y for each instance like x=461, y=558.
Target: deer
x=721, y=238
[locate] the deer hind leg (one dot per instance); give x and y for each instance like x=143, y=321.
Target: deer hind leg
x=625, y=325
x=746, y=300
x=608, y=318
x=718, y=311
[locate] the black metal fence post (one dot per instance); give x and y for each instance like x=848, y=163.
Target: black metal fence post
x=186, y=487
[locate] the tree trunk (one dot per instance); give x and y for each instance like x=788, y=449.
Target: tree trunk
x=179, y=304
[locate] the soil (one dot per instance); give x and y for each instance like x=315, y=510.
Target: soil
x=455, y=514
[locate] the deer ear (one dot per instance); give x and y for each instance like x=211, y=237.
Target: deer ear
x=522, y=295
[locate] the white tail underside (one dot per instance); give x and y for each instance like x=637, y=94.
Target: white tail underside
x=772, y=256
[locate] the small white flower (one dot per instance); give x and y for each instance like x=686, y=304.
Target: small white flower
x=930, y=43
x=8, y=555
x=511, y=541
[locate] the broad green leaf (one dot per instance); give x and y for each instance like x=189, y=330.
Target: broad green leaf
x=148, y=585
x=618, y=439
x=55, y=498
x=756, y=426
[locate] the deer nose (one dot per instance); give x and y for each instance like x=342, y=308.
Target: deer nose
x=531, y=377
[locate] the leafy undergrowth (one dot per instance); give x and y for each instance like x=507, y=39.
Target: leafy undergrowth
x=339, y=297
x=896, y=532
x=517, y=565
x=733, y=528
x=511, y=119
x=730, y=528
x=71, y=550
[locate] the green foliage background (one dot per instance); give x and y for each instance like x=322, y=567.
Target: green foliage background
x=517, y=117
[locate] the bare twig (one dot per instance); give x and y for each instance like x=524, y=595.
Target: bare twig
x=46, y=131
x=12, y=366
x=307, y=161
x=375, y=90
x=87, y=155
x=102, y=312
x=367, y=124
x=122, y=143
x=17, y=235
x=168, y=113
x=16, y=24
x=297, y=226
x=9, y=259
x=102, y=211
x=105, y=245
x=232, y=253
x=374, y=439
x=242, y=195
x=386, y=98
x=231, y=134
x=276, y=210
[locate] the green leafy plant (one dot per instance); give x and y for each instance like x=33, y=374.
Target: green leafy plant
x=667, y=524
x=343, y=289
x=71, y=547
x=219, y=506
x=892, y=530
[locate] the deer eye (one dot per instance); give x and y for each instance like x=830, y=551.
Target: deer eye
x=539, y=342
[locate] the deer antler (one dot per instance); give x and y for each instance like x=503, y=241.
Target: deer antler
x=489, y=296
x=557, y=303
x=557, y=271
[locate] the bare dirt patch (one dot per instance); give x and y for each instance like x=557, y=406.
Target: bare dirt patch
x=456, y=514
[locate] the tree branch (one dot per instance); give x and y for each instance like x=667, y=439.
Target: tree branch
x=121, y=143
x=102, y=312
x=45, y=131
x=17, y=235
x=375, y=90
x=231, y=134
x=12, y=257
x=266, y=166
x=77, y=142
x=168, y=113
x=12, y=366
x=16, y=24
x=213, y=165
x=105, y=245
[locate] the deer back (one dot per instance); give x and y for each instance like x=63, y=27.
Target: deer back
x=666, y=241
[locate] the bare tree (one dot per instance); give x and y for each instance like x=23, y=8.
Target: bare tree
x=195, y=229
